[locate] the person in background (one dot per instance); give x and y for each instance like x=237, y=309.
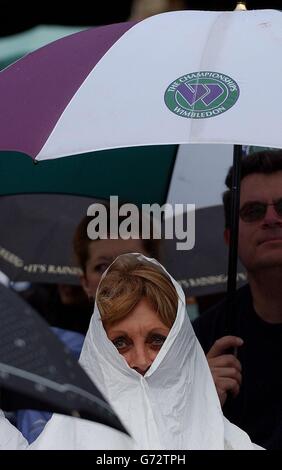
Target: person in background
x=249, y=383
x=95, y=256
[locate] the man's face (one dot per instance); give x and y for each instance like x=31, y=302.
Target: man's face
x=260, y=242
x=101, y=254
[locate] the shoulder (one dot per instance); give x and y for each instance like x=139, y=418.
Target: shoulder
x=219, y=310
x=211, y=324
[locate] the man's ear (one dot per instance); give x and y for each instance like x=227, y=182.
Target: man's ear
x=227, y=236
x=85, y=286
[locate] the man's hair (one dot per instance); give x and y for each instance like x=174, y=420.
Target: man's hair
x=81, y=240
x=127, y=282
x=265, y=162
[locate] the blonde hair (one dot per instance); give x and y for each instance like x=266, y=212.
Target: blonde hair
x=128, y=281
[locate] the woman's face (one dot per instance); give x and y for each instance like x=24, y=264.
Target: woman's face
x=101, y=254
x=139, y=336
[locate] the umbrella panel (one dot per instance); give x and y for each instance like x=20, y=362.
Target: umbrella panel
x=202, y=270
x=41, y=370
x=123, y=172
x=36, y=236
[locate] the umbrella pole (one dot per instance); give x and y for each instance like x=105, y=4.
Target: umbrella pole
x=233, y=245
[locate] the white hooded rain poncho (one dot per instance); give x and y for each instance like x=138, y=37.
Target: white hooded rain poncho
x=10, y=437
x=173, y=406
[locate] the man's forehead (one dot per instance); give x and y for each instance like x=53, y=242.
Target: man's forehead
x=259, y=185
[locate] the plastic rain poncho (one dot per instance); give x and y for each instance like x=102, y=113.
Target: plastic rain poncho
x=173, y=406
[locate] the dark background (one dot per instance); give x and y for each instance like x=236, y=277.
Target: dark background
x=19, y=16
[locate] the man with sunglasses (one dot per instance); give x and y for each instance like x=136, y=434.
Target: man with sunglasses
x=249, y=383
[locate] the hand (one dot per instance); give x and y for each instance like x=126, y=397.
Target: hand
x=225, y=368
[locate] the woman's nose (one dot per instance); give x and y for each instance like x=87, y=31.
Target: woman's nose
x=140, y=359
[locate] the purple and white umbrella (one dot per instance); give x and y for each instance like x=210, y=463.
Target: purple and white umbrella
x=177, y=77
x=174, y=78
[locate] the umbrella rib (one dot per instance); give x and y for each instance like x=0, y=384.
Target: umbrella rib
x=61, y=388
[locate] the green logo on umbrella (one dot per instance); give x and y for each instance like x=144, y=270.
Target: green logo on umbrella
x=201, y=95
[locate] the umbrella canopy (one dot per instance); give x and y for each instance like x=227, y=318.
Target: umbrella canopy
x=41, y=369
x=37, y=229
x=140, y=174
x=36, y=237
x=203, y=269
x=92, y=90
x=132, y=84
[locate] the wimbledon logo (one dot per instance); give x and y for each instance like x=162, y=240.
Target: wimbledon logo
x=201, y=95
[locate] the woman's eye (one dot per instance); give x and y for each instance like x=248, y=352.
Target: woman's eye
x=119, y=343
x=157, y=340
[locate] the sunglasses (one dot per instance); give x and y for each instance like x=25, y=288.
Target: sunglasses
x=255, y=211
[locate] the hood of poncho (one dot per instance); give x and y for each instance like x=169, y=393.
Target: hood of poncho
x=175, y=404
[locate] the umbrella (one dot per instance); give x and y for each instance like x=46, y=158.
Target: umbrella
x=131, y=84
x=40, y=250
x=140, y=174
x=30, y=220
x=41, y=369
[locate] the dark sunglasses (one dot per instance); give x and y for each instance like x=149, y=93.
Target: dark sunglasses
x=255, y=211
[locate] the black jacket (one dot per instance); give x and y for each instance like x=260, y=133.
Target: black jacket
x=258, y=407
